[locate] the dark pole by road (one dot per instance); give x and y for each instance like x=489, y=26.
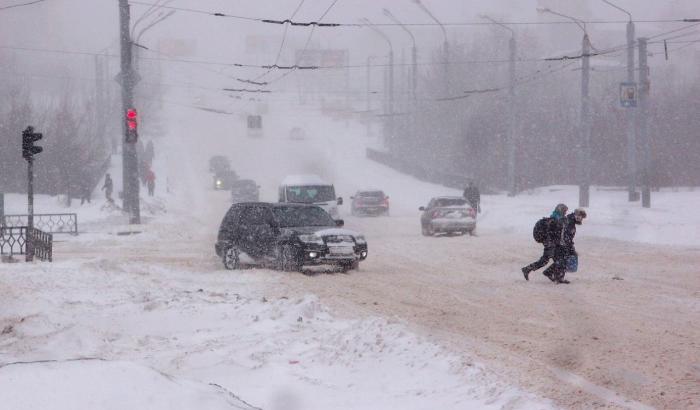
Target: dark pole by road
x=131, y=203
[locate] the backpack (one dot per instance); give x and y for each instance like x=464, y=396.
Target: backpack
x=541, y=230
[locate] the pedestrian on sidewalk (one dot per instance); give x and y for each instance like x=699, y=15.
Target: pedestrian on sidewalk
x=108, y=187
x=151, y=181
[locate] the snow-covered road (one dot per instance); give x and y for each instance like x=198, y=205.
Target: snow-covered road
x=425, y=323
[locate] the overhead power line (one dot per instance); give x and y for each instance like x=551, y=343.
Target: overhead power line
x=197, y=11
x=21, y=5
x=318, y=22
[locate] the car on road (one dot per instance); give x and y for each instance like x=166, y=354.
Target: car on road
x=218, y=164
x=245, y=190
x=448, y=215
x=369, y=202
x=224, y=180
x=310, y=189
x=287, y=237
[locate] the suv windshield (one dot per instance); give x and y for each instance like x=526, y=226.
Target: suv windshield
x=289, y=216
x=442, y=202
x=309, y=194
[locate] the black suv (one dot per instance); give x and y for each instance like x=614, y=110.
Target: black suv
x=287, y=237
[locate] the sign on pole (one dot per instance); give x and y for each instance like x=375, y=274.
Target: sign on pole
x=628, y=94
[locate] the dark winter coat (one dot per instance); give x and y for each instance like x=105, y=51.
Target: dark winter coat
x=555, y=227
x=568, y=233
x=472, y=195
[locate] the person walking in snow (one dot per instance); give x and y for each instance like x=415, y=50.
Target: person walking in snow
x=472, y=195
x=151, y=181
x=85, y=192
x=565, y=247
x=107, y=187
x=552, y=231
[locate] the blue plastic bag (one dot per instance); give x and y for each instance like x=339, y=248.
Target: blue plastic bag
x=572, y=263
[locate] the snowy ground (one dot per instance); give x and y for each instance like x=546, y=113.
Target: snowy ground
x=426, y=323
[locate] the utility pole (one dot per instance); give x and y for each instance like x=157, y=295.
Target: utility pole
x=630, y=114
x=511, y=107
x=585, y=125
x=445, y=46
x=584, y=137
x=389, y=89
x=369, y=101
x=100, y=100
x=644, y=87
x=511, y=117
x=631, y=130
x=129, y=156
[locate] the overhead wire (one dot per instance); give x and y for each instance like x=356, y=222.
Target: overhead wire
x=318, y=22
x=21, y=5
x=279, y=51
x=306, y=44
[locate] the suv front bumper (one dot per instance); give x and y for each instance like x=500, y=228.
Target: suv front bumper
x=325, y=255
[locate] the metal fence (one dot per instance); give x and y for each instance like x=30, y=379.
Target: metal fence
x=42, y=244
x=14, y=241
x=51, y=223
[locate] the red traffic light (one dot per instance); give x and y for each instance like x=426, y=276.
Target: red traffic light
x=131, y=114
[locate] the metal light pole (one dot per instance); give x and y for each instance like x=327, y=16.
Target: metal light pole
x=369, y=101
x=389, y=108
x=584, y=183
x=511, y=106
x=414, y=54
x=445, y=45
x=128, y=80
x=644, y=88
x=631, y=112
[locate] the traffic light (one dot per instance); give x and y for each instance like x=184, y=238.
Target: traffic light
x=132, y=125
x=28, y=139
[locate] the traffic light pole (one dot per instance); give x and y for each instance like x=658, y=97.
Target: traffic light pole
x=129, y=157
x=29, y=241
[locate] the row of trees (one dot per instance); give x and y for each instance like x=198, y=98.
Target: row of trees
x=76, y=144
x=468, y=136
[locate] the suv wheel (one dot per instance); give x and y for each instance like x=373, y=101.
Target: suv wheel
x=427, y=230
x=288, y=260
x=231, y=259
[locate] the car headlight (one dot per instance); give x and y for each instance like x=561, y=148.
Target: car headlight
x=218, y=182
x=315, y=239
x=360, y=240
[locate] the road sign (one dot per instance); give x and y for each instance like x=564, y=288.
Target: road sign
x=628, y=94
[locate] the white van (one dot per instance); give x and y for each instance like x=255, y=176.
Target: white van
x=310, y=189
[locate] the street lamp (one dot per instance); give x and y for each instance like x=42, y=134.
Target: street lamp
x=584, y=171
x=414, y=53
x=389, y=85
x=445, y=47
x=631, y=113
x=511, y=109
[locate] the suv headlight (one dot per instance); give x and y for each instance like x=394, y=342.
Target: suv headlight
x=315, y=239
x=360, y=240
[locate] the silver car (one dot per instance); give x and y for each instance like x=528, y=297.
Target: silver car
x=448, y=215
